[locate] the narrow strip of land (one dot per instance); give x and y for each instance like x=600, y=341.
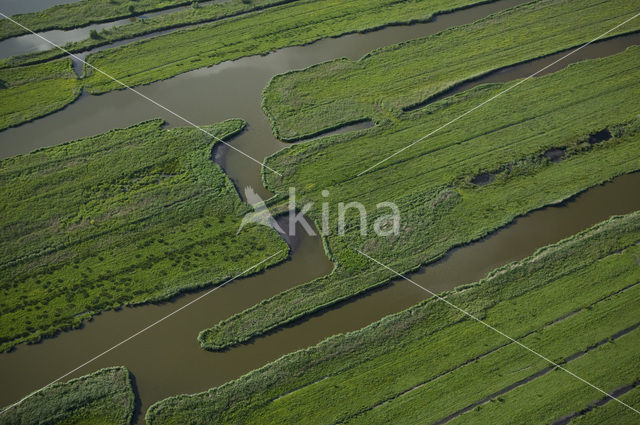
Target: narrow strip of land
x=152, y=26
x=82, y=13
x=208, y=44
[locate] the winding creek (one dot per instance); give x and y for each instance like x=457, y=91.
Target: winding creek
x=167, y=359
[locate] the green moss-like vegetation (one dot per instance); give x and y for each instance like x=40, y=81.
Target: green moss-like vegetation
x=104, y=397
x=364, y=88
x=431, y=361
x=32, y=91
x=125, y=217
x=384, y=82
x=431, y=182
x=294, y=23
x=81, y=13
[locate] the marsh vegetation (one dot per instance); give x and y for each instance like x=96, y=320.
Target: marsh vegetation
x=126, y=217
x=141, y=214
x=105, y=397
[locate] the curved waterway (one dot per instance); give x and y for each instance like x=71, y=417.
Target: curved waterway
x=167, y=359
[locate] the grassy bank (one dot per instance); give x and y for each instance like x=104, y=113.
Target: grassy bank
x=296, y=23
x=80, y=14
x=431, y=183
x=33, y=91
x=104, y=397
x=575, y=302
x=384, y=82
x=126, y=217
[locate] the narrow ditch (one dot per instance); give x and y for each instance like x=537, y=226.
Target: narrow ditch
x=554, y=155
x=595, y=50
x=617, y=393
x=31, y=43
x=536, y=375
x=494, y=350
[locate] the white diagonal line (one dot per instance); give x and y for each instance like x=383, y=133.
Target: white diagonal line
x=140, y=94
x=496, y=330
x=141, y=331
x=496, y=96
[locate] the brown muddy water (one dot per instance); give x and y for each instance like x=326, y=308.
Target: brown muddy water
x=167, y=359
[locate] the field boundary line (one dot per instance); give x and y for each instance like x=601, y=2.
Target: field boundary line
x=489, y=353
x=497, y=95
x=162, y=319
x=482, y=322
x=126, y=86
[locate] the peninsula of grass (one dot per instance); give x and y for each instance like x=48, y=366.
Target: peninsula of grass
x=294, y=23
x=588, y=111
x=30, y=92
x=104, y=397
x=80, y=14
x=126, y=217
x=386, y=81
x=574, y=302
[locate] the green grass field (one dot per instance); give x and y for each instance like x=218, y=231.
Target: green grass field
x=81, y=13
x=574, y=302
x=125, y=217
x=386, y=81
x=32, y=91
x=296, y=23
x=104, y=397
x=431, y=182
